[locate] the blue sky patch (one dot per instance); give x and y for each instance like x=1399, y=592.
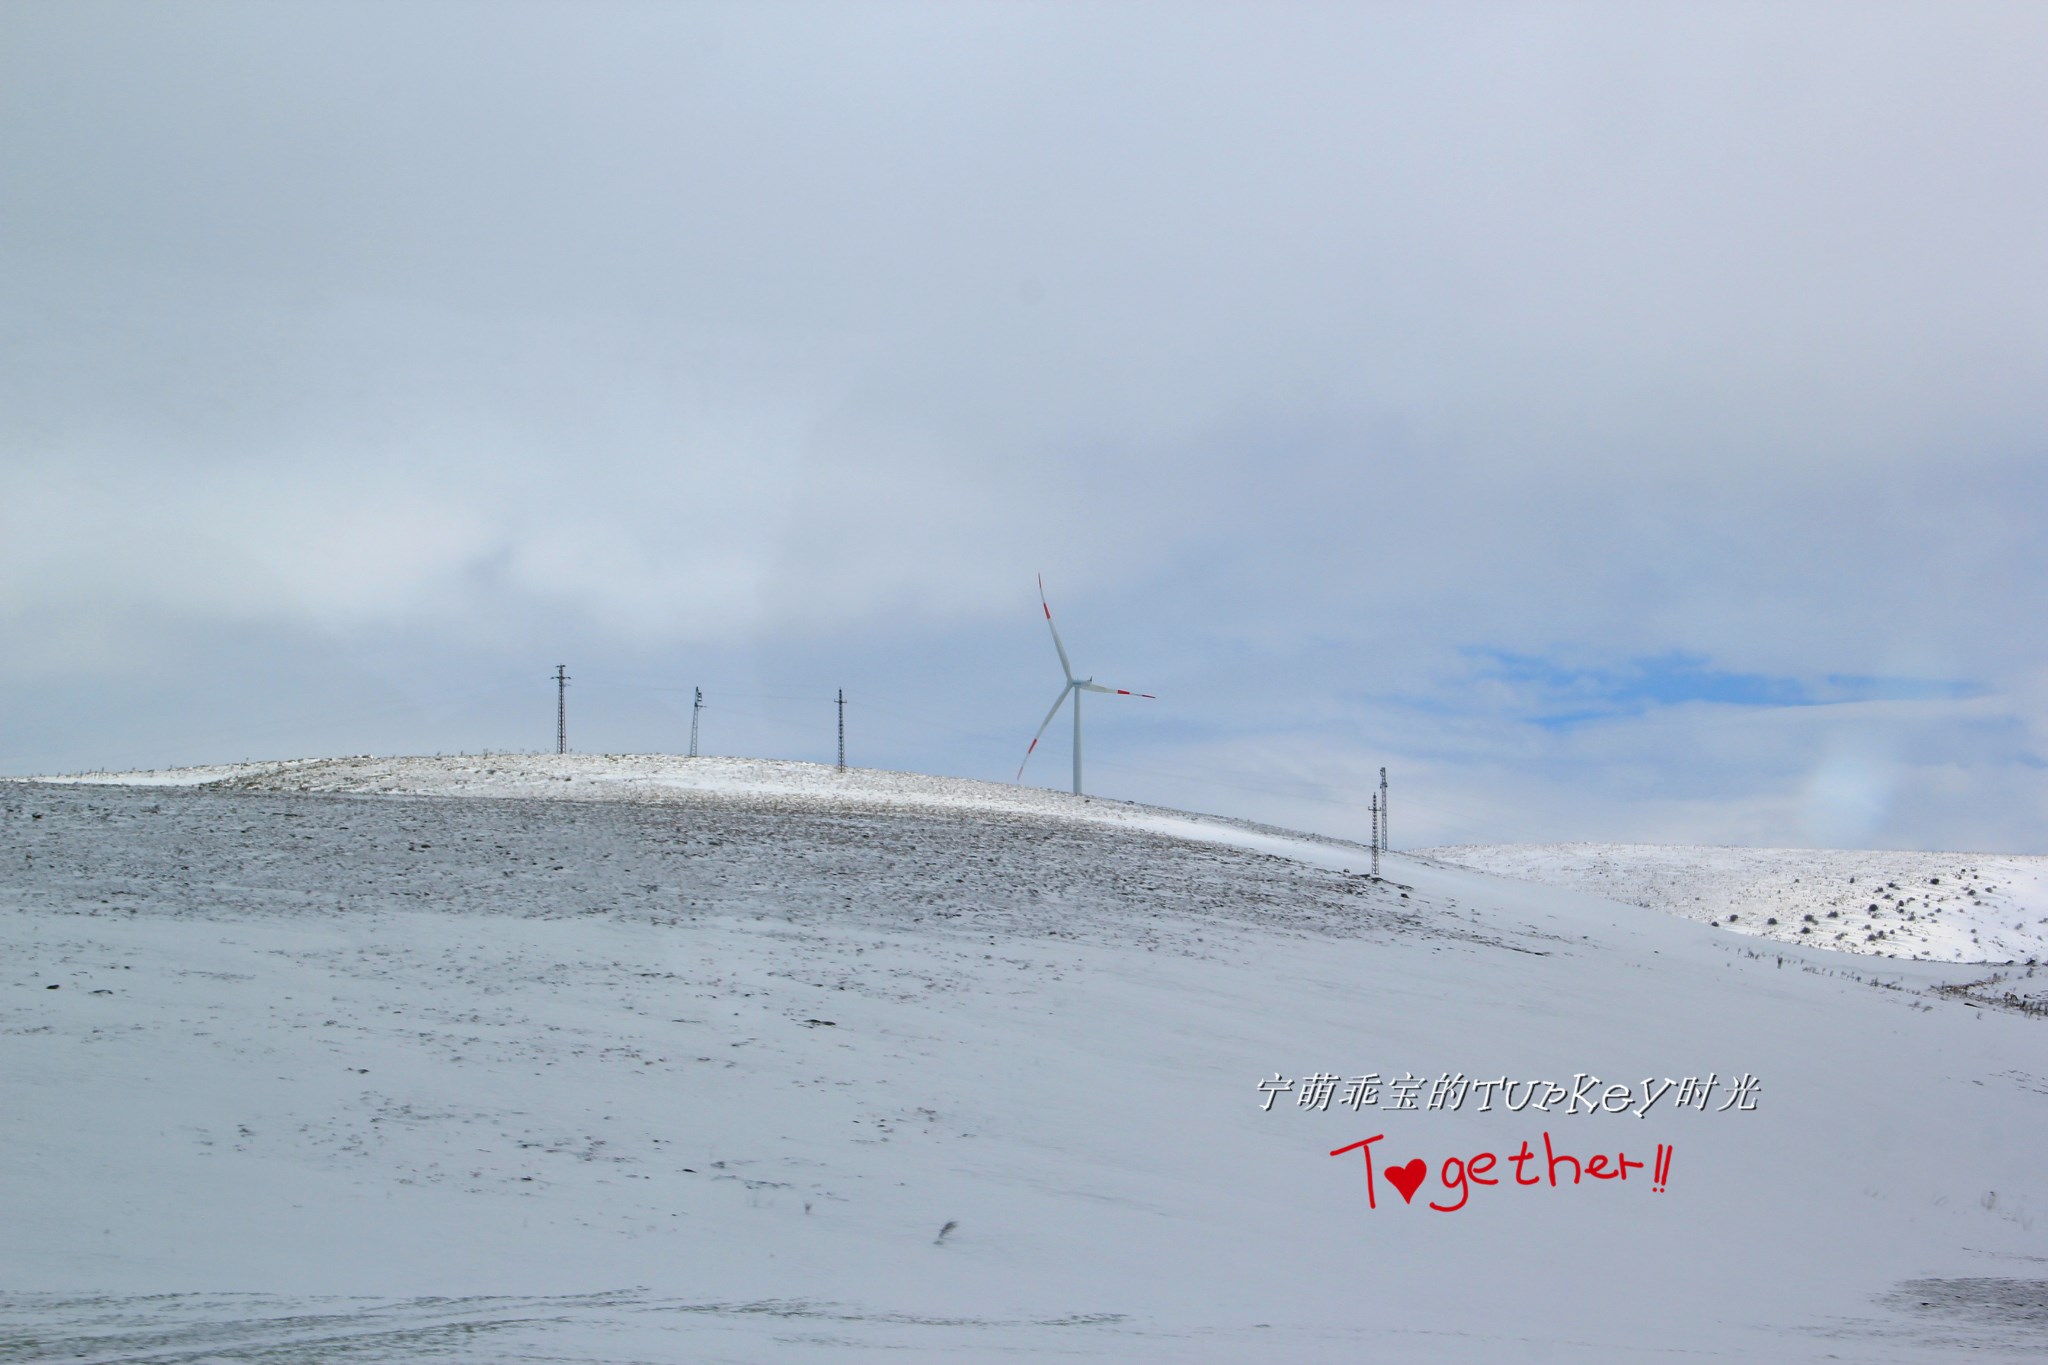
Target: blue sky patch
x=1563, y=695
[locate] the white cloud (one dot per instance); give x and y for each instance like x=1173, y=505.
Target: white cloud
x=1322, y=343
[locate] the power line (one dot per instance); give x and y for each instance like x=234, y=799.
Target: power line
x=722, y=692
x=927, y=723
x=923, y=724
x=916, y=721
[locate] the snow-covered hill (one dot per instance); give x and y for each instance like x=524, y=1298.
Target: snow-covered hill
x=669, y=1060
x=1947, y=907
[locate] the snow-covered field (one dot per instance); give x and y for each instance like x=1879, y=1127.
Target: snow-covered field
x=640, y=778
x=638, y=1059
x=1948, y=907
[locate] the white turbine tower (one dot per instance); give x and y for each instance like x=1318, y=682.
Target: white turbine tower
x=1074, y=688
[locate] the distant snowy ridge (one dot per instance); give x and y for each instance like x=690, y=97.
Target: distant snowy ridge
x=598, y=777
x=673, y=778
x=610, y=777
x=1942, y=907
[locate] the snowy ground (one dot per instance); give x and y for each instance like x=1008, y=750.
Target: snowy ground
x=658, y=1060
x=639, y=778
x=1947, y=907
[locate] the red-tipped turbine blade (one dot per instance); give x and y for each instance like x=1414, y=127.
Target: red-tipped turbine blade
x=1042, y=728
x=1065, y=667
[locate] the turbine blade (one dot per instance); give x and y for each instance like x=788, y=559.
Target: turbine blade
x=1092, y=686
x=1065, y=667
x=1042, y=728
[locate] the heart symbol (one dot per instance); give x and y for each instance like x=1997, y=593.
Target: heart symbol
x=1408, y=1179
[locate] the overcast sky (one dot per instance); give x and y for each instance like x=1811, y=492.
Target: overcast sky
x=1625, y=422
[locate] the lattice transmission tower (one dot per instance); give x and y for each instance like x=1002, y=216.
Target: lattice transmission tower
x=1375, y=834
x=561, y=708
x=1386, y=841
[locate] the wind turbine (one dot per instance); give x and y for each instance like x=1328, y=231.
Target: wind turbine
x=1074, y=688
